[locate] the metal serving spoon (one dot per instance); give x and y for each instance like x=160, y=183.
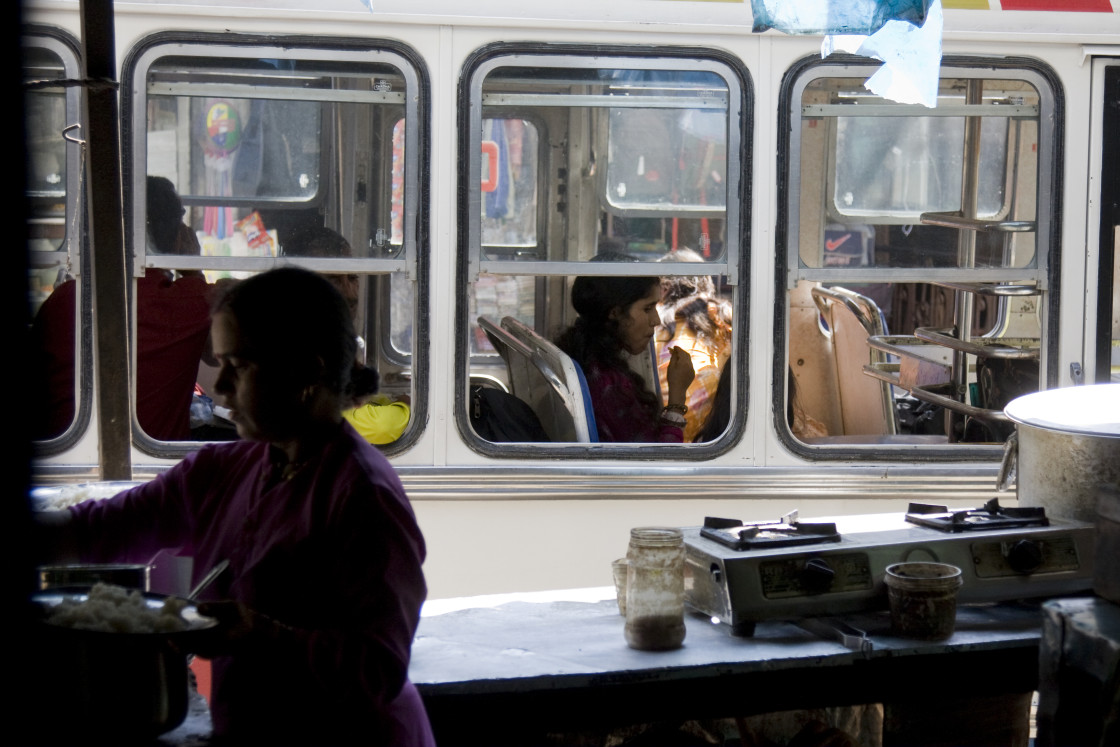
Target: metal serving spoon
x=218, y=569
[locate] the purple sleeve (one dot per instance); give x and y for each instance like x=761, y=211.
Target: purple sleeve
x=620, y=416
x=131, y=527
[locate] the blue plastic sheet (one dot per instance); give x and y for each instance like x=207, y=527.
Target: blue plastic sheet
x=835, y=16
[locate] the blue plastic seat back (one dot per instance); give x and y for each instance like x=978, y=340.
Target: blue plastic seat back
x=589, y=410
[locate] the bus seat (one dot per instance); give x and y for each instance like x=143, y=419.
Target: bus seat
x=588, y=408
x=811, y=360
x=519, y=367
x=486, y=380
x=541, y=375
x=866, y=404
x=561, y=394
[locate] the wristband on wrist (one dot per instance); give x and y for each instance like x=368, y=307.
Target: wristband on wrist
x=672, y=417
x=682, y=409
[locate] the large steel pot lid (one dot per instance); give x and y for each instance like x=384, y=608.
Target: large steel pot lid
x=1081, y=410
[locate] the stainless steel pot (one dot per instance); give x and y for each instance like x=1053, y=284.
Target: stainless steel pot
x=112, y=688
x=1068, y=448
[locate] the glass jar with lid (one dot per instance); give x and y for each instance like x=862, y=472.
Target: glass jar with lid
x=655, y=589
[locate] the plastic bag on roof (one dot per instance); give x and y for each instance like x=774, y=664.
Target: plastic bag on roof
x=911, y=55
x=835, y=16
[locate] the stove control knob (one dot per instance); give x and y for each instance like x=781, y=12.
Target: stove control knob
x=1024, y=556
x=817, y=575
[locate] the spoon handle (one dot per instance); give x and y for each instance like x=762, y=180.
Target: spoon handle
x=208, y=579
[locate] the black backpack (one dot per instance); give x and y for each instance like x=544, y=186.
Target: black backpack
x=501, y=417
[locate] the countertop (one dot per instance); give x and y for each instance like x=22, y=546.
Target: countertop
x=559, y=661
x=504, y=668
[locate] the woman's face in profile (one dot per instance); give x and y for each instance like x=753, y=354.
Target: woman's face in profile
x=264, y=402
x=638, y=321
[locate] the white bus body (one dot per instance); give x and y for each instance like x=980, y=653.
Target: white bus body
x=503, y=518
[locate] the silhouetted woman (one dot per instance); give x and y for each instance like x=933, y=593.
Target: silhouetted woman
x=324, y=587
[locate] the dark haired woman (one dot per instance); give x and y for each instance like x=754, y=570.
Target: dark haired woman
x=619, y=315
x=324, y=587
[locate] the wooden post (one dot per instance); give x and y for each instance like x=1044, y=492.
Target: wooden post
x=106, y=232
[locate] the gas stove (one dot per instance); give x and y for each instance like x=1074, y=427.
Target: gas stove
x=742, y=573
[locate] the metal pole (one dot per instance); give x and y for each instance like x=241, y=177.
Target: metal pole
x=966, y=253
x=106, y=242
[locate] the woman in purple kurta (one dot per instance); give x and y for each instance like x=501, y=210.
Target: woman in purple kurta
x=325, y=588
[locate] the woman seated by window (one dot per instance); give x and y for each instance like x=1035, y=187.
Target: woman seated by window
x=619, y=315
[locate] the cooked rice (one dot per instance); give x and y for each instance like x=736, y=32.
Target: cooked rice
x=71, y=495
x=115, y=609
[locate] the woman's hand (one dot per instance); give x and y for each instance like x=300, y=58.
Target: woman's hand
x=679, y=375
x=239, y=628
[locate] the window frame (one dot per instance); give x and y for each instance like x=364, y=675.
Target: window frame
x=1045, y=270
x=734, y=266
x=67, y=49
x=413, y=257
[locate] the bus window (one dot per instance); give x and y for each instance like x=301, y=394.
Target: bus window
x=293, y=155
x=577, y=157
x=55, y=230
x=919, y=246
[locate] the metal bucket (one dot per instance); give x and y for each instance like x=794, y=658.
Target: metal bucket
x=1068, y=448
x=1106, y=572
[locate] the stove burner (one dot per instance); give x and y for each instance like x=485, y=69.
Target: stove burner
x=990, y=516
x=787, y=532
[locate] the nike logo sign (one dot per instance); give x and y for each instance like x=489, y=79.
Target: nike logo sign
x=834, y=244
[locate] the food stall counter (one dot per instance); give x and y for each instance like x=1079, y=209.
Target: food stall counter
x=514, y=668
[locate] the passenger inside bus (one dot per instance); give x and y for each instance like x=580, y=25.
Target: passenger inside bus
x=695, y=319
x=617, y=315
x=323, y=592
x=380, y=418
x=172, y=328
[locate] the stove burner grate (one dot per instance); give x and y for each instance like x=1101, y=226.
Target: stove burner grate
x=765, y=535
x=990, y=516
